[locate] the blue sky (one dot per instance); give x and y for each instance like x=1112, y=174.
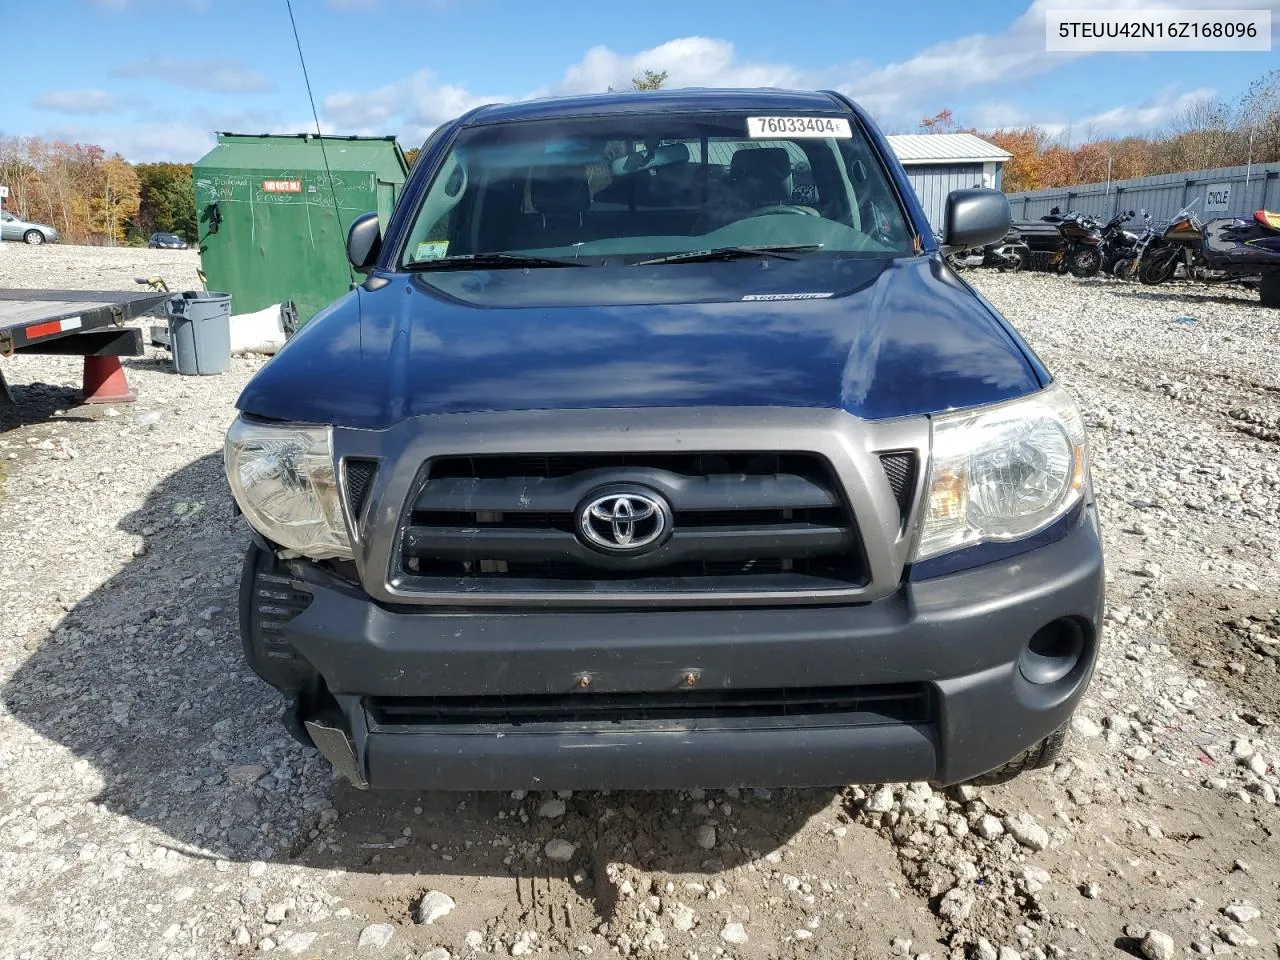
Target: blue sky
x=152, y=79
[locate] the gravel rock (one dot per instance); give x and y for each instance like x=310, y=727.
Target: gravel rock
x=277, y=912
x=1157, y=945
x=433, y=906
x=298, y=942
x=682, y=917
x=245, y=773
x=560, y=851
x=552, y=809
x=881, y=801
x=437, y=953
x=705, y=836
x=1027, y=832
x=957, y=905
x=989, y=827
x=1084, y=726
x=1242, y=912
x=375, y=936
x=1237, y=937
x=734, y=933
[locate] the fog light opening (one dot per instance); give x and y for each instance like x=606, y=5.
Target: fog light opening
x=1052, y=652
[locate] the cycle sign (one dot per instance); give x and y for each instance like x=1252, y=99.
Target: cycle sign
x=1217, y=197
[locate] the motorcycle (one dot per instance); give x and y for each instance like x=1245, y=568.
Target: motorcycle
x=1220, y=251
x=1007, y=253
x=1126, y=268
x=1081, y=249
x=1118, y=243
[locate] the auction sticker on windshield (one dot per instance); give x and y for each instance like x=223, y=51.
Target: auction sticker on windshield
x=774, y=127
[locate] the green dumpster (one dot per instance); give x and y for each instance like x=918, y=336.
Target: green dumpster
x=273, y=222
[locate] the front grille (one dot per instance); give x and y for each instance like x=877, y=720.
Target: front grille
x=753, y=521
x=902, y=703
x=360, y=474
x=900, y=469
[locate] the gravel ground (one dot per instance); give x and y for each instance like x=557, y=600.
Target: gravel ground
x=150, y=806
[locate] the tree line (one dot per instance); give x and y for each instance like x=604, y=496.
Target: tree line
x=1204, y=134
x=95, y=198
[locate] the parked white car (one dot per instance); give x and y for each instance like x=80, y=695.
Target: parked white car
x=14, y=228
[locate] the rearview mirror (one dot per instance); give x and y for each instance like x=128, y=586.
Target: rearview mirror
x=364, y=241
x=975, y=217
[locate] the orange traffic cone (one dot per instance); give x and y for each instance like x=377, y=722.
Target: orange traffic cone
x=104, y=381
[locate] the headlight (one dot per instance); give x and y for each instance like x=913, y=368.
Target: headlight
x=283, y=478
x=1003, y=473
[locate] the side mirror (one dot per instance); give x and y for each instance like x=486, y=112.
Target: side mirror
x=975, y=218
x=364, y=240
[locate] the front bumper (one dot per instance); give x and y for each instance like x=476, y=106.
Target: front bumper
x=954, y=640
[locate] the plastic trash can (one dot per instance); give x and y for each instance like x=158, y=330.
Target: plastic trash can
x=200, y=332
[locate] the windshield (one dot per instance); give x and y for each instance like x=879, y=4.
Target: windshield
x=634, y=188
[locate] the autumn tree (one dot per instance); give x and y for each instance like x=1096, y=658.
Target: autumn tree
x=88, y=196
x=941, y=122
x=115, y=210
x=1024, y=169
x=649, y=80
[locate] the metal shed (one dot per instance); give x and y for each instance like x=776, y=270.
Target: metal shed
x=273, y=216
x=938, y=163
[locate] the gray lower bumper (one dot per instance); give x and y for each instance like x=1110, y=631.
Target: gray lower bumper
x=958, y=637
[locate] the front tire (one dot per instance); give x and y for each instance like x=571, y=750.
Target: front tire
x=1269, y=289
x=1084, y=262
x=1044, y=753
x=1157, y=271
x=33, y=237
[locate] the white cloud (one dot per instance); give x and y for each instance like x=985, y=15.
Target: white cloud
x=216, y=74
x=1149, y=114
x=77, y=101
x=1142, y=116
x=411, y=107
x=688, y=61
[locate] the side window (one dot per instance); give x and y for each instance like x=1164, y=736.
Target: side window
x=434, y=223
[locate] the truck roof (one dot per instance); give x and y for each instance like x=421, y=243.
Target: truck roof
x=688, y=99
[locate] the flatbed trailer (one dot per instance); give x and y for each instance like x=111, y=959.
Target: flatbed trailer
x=87, y=323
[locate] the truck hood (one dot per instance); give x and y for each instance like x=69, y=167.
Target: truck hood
x=879, y=338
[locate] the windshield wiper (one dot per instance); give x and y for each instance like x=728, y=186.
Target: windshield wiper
x=492, y=261
x=778, y=251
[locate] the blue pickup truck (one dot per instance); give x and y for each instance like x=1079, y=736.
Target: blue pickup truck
x=660, y=448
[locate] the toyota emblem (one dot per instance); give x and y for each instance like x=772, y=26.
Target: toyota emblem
x=624, y=522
